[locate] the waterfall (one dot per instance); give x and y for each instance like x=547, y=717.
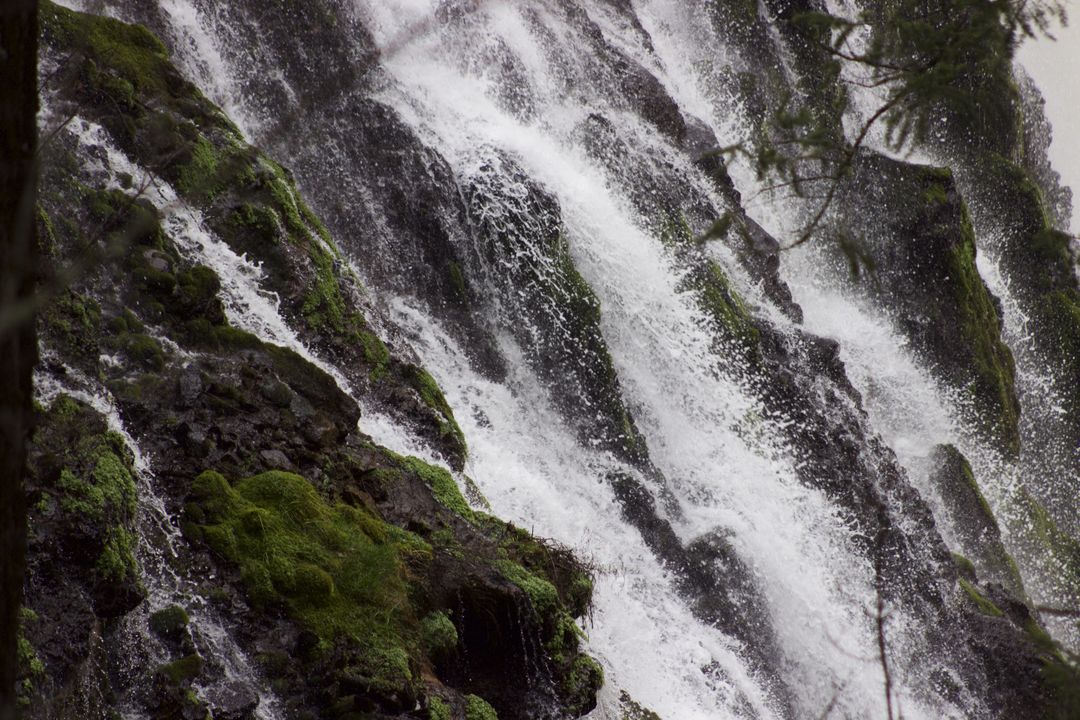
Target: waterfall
x=525, y=108
x=690, y=412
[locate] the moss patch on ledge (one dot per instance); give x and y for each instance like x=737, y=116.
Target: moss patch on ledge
x=97, y=486
x=363, y=588
x=338, y=570
x=981, y=602
x=86, y=502
x=972, y=520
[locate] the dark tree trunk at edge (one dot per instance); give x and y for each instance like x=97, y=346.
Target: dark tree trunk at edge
x=18, y=345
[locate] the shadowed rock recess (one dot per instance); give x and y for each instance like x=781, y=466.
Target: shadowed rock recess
x=244, y=318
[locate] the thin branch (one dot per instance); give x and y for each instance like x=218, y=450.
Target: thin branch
x=845, y=165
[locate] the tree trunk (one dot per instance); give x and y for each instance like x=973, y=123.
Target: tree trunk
x=18, y=344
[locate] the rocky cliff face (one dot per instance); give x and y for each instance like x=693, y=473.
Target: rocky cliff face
x=226, y=519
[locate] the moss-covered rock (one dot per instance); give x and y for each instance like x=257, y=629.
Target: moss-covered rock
x=980, y=601
x=81, y=564
x=713, y=293
x=169, y=623
x=1055, y=550
x=339, y=571
x=477, y=708
x=916, y=229
x=380, y=606
x=971, y=518
x=85, y=475
x=633, y=710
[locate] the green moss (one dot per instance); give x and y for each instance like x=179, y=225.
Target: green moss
x=117, y=560
x=1059, y=314
x=442, y=484
x=719, y=300
x=199, y=175
x=197, y=293
x=170, y=622
x=438, y=634
x=376, y=354
x=964, y=566
x=286, y=201
x=130, y=51
x=984, y=605
x=64, y=406
x=542, y=594
x=1062, y=550
x=633, y=710
x=324, y=307
x=1062, y=681
x=709, y=283
x=72, y=324
x=581, y=684
x=935, y=194
x=263, y=221
x=1060, y=675
x=432, y=395
x=565, y=640
x=107, y=490
x=457, y=281
x=201, y=333
x=967, y=477
x=476, y=708
x=181, y=671
x=336, y=569
x=142, y=349
x=29, y=666
x=438, y=709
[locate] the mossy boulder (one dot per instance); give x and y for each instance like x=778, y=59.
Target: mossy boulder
x=338, y=570
x=81, y=564
x=380, y=607
x=915, y=228
x=170, y=623
x=972, y=520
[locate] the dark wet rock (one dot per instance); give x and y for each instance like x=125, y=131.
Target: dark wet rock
x=647, y=95
x=1038, y=261
x=552, y=311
